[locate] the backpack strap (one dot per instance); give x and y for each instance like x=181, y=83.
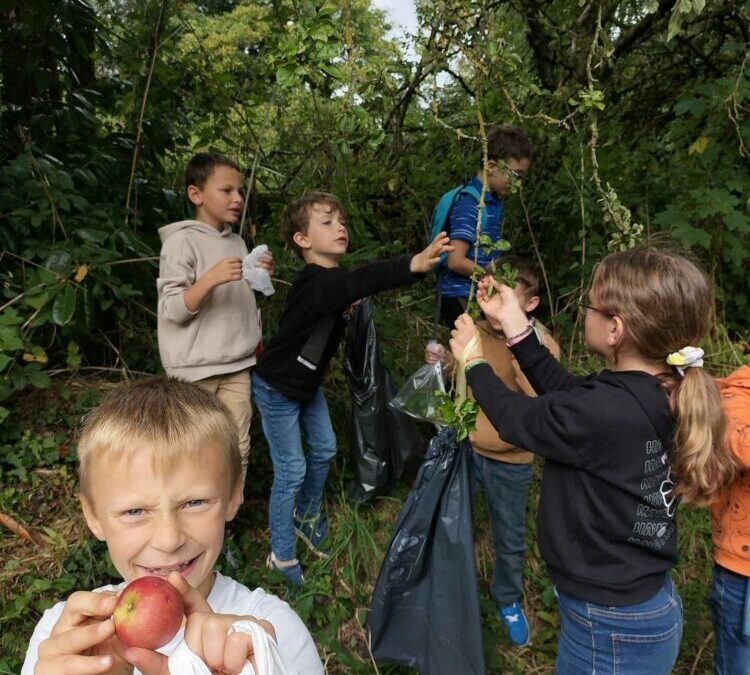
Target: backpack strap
x=469, y=189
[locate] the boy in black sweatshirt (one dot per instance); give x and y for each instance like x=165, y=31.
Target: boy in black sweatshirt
x=288, y=375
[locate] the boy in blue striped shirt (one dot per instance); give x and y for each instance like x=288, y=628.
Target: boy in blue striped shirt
x=509, y=153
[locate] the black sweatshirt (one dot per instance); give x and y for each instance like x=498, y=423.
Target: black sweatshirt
x=316, y=301
x=606, y=525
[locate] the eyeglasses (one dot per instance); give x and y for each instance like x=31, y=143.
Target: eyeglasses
x=518, y=175
x=584, y=307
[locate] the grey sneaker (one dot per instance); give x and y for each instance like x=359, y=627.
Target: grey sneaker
x=313, y=531
x=291, y=569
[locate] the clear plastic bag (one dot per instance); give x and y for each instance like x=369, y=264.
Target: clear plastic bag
x=419, y=396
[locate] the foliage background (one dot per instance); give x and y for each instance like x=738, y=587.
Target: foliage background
x=638, y=110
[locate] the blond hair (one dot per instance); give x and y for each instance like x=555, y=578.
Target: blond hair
x=665, y=302
x=167, y=418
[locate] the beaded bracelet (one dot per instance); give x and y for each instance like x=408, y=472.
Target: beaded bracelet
x=518, y=337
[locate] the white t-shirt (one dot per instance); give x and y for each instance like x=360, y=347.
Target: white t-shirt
x=226, y=597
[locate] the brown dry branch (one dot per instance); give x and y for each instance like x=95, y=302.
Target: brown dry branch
x=14, y=526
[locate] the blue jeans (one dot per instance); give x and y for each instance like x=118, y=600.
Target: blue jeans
x=640, y=639
x=505, y=489
x=727, y=600
x=298, y=479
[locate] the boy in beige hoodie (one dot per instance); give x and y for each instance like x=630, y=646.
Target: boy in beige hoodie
x=503, y=470
x=208, y=326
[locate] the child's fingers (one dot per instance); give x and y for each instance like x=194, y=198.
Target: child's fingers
x=214, y=637
x=77, y=640
x=74, y=665
x=147, y=662
x=464, y=321
x=491, y=280
x=83, y=605
x=238, y=648
x=191, y=598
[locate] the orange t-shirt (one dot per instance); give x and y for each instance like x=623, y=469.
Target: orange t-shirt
x=730, y=514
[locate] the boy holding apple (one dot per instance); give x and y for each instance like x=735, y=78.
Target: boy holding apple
x=160, y=475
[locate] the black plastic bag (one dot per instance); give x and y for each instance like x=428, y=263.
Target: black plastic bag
x=424, y=611
x=382, y=439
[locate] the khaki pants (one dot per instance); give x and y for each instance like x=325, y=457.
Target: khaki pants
x=233, y=390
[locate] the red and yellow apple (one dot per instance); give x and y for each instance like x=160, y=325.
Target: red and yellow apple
x=148, y=613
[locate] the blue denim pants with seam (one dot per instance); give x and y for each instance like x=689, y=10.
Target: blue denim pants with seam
x=506, y=487
x=299, y=477
x=640, y=639
x=728, y=608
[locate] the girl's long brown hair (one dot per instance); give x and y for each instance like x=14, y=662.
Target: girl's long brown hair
x=665, y=302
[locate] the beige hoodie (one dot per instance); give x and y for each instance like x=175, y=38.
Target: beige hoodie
x=221, y=337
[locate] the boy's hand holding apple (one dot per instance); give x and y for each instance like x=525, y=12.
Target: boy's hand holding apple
x=206, y=633
x=83, y=640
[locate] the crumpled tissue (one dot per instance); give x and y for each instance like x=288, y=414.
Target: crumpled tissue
x=258, y=277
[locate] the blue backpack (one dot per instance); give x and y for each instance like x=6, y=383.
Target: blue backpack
x=440, y=220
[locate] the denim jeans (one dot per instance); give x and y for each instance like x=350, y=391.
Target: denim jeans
x=505, y=489
x=727, y=600
x=298, y=478
x=641, y=639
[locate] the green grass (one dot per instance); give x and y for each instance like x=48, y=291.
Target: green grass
x=39, y=486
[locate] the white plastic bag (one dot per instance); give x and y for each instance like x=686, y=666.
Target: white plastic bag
x=259, y=278
x=183, y=661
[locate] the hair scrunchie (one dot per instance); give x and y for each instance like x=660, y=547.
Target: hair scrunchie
x=687, y=357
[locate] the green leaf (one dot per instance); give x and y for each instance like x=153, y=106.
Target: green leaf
x=738, y=222
x=675, y=25
x=693, y=236
x=10, y=339
x=10, y=317
x=4, y=412
x=73, y=358
x=60, y=262
x=65, y=305
x=38, y=379
x=334, y=71
x=91, y=235
x=135, y=244
x=38, y=300
x=286, y=76
x=4, y=361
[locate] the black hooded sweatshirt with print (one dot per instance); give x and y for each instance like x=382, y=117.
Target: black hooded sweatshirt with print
x=606, y=520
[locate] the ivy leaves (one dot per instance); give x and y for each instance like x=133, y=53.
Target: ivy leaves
x=461, y=416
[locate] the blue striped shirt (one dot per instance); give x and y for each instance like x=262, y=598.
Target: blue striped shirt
x=463, y=225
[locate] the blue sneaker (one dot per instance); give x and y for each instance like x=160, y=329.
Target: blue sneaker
x=313, y=531
x=291, y=569
x=513, y=618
